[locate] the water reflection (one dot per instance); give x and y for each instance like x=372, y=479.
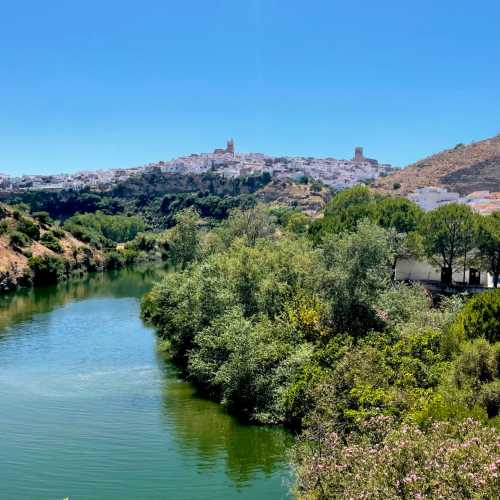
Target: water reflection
x=203, y=428
x=23, y=304
x=86, y=382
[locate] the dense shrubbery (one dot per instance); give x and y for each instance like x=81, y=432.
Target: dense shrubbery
x=46, y=269
x=213, y=196
x=103, y=230
x=19, y=240
x=49, y=240
x=28, y=227
x=386, y=461
x=480, y=318
x=42, y=217
x=314, y=333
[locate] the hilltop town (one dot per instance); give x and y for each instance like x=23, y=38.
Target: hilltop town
x=338, y=174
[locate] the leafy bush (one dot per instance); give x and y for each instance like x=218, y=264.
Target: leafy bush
x=101, y=230
x=57, y=232
x=114, y=260
x=143, y=242
x=4, y=227
x=51, y=242
x=286, y=295
x=387, y=461
x=28, y=227
x=183, y=242
x=46, y=269
x=19, y=240
x=480, y=317
x=42, y=217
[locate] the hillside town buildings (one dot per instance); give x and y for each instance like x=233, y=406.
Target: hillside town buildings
x=429, y=198
x=338, y=174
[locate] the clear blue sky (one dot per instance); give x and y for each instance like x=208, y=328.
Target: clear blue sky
x=96, y=84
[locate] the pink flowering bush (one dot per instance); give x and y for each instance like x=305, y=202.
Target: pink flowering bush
x=383, y=461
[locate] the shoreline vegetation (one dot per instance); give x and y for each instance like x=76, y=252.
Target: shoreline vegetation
x=36, y=250
x=291, y=321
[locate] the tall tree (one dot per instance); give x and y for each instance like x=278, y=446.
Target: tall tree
x=184, y=244
x=448, y=236
x=399, y=213
x=489, y=244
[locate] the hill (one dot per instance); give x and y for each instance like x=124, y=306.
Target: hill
x=25, y=237
x=464, y=168
x=157, y=196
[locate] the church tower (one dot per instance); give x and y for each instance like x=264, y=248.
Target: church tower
x=230, y=146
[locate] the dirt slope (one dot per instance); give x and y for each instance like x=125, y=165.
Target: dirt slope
x=465, y=168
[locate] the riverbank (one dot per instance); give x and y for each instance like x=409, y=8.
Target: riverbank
x=313, y=334
x=90, y=409
x=35, y=251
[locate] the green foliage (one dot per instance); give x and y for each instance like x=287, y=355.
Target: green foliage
x=42, y=217
x=386, y=460
x=206, y=204
x=488, y=243
x=298, y=223
x=4, y=227
x=114, y=260
x=240, y=363
x=469, y=388
x=321, y=338
x=399, y=213
x=28, y=227
x=358, y=270
x=103, y=230
x=143, y=242
x=183, y=241
x=46, y=269
x=49, y=240
x=19, y=240
x=250, y=225
x=479, y=318
x=57, y=232
x=449, y=232
x=350, y=206
x=396, y=186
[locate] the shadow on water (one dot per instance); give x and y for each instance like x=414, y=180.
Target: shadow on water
x=202, y=427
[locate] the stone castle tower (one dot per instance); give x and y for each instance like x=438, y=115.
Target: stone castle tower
x=358, y=154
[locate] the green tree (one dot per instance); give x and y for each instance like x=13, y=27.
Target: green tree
x=489, y=244
x=252, y=225
x=184, y=242
x=448, y=235
x=50, y=241
x=359, y=269
x=480, y=317
x=399, y=213
x=42, y=217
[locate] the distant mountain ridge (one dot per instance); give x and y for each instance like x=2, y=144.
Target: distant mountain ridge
x=464, y=168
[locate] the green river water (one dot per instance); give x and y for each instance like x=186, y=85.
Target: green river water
x=90, y=410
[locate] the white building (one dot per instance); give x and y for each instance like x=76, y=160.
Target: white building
x=429, y=198
x=430, y=274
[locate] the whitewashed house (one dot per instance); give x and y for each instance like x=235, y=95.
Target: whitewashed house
x=431, y=275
